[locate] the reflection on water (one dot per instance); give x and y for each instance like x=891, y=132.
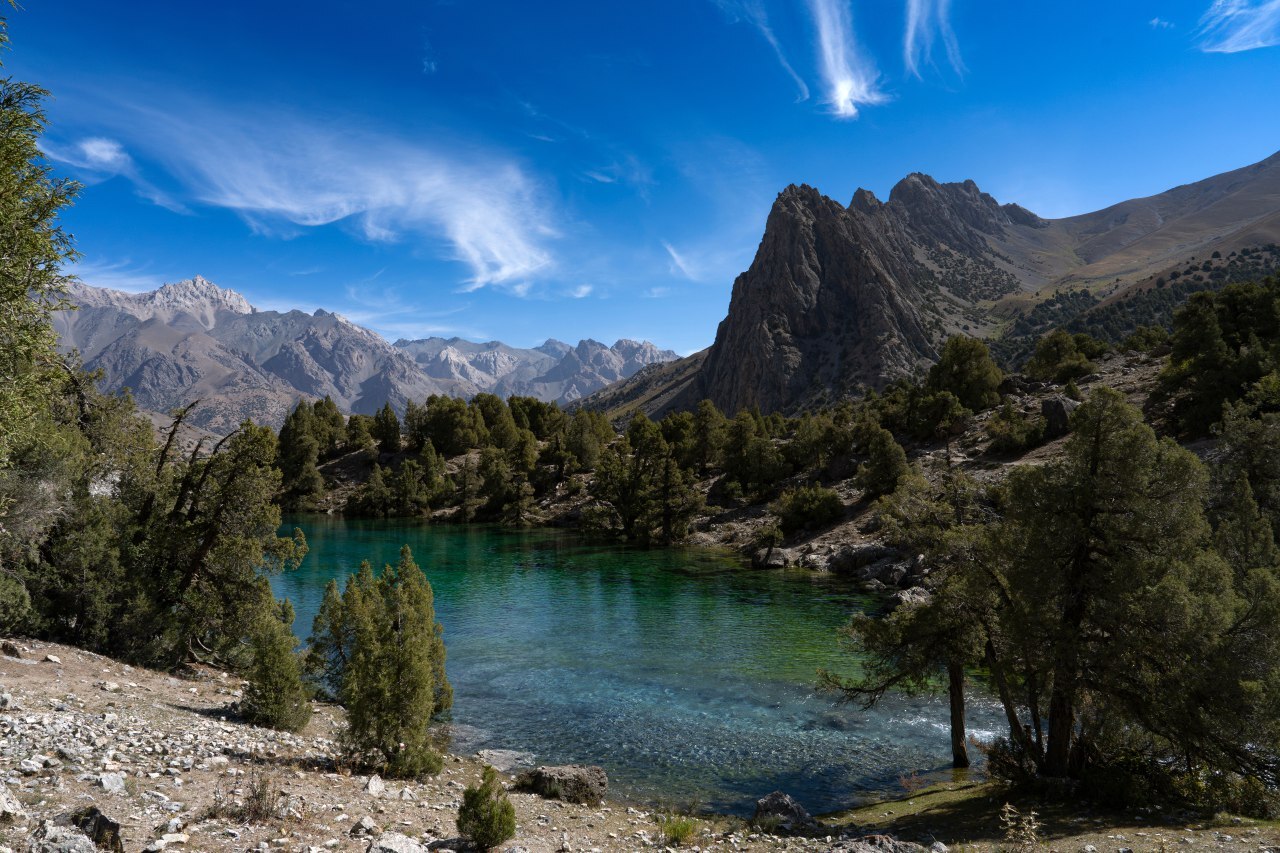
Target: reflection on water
x=688, y=678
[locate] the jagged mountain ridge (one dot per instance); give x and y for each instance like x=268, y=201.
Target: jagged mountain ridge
x=192, y=340
x=841, y=299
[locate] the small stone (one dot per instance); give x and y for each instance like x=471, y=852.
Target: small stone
x=11, y=811
x=363, y=827
x=52, y=659
x=394, y=842
x=375, y=786
x=112, y=783
x=10, y=649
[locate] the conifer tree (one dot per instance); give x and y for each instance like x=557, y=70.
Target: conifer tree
x=886, y=464
x=966, y=369
x=275, y=696
x=33, y=250
x=386, y=429
x=382, y=646
x=486, y=817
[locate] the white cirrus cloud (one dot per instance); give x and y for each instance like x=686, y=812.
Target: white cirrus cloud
x=96, y=159
x=680, y=265
x=116, y=275
x=753, y=12
x=1158, y=23
x=282, y=173
x=1233, y=26
x=929, y=21
x=850, y=79
x=582, y=291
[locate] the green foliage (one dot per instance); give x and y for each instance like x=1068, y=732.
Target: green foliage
x=275, y=696
x=452, y=426
x=914, y=410
x=1119, y=615
x=886, y=464
x=809, y=507
x=486, y=817
x=749, y=455
x=966, y=370
x=386, y=429
x=15, y=604
x=588, y=434
x=379, y=650
x=33, y=250
x=1060, y=356
x=1224, y=344
x=640, y=491
x=676, y=829
x=360, y=436
x=1146, y=338
x=297, y=456
x=1012, y=432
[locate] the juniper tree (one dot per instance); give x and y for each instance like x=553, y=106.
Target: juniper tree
x=275, y=696
x=33, y=250
x=1117, y=616
x=381, y=652
x=885, y=466
x=967, y=370
x=386, y=429
x=486, y=817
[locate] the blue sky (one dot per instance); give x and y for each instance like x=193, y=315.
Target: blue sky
x=519, y=170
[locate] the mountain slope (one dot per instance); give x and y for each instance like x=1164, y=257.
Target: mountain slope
x=840, y=299
x=192, y=340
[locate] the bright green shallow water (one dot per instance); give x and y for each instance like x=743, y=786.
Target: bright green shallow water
x=688, y=677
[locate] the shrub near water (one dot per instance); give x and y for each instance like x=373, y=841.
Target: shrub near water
x=487, y=816
x=807, y=508
x=379, y=649
x=276, y=696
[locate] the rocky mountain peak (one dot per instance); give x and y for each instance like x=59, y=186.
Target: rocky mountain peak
x=865, y=201
x=197, y=294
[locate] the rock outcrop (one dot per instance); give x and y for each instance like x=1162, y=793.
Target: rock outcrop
x=841, y=299
x=573, y=783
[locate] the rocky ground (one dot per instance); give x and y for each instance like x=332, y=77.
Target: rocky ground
x=160, y=763
x=164, y=759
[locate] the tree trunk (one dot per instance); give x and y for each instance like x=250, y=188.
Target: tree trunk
x=1057, y=760
x=955, y=678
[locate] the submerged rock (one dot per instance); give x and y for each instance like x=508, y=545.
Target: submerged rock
x=573, y=783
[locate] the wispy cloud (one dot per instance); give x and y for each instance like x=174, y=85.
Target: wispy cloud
x=282, y=172
x=850, y=79
x=680, y=264
x=753, y=12
x=1158, y=23
x=582, y=291
x=116, y=275
x=96, y=159
x=1232, y=26
x=929, y=21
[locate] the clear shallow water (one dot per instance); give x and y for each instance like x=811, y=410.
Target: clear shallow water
x=686, y=676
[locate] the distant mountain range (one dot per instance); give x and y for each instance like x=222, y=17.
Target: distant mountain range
x=192, y=340
x=843, y=298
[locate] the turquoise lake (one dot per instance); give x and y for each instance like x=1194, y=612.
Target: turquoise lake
x=687, y=676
